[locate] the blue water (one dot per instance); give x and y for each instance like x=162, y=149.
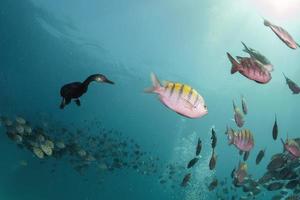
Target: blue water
x=45, y=44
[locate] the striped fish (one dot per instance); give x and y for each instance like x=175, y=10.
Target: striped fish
x=242, y=140
x=283, y=35
x=238, y=116
x=179, y=97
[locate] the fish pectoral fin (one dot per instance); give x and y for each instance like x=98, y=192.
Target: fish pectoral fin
x=188, y=104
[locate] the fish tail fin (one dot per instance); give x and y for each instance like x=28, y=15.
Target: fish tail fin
x=235, y=64
x=284, y=75
x=267, y=23
x=155, y=84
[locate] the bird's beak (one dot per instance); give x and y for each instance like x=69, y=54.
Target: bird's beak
x=109, y=81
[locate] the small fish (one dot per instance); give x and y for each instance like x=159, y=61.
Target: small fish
x=258, y=56
x=213, y=185
x=260, y=156
x=275, y=129
x=192, y=162
x=292, y=85
x=276, y=163
x=282, y=34
x=243, y=140
x=238, y=116
x=213, y=161
x=246, y=155
x=251, y=69
x=244, y=106
x=275, y=186
x=199, y=147
x=179, y=97
x=241, y=173
x=292, y=147
x=186, y=180
x=292, y=184
x=213, y=138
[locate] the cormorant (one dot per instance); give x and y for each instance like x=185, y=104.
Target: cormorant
x=75, y=90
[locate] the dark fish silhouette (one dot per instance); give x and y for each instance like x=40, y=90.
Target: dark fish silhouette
x=199, y=147
x=292, y=85
x=186, y=180
x=213, y=138
x=192, y=162
x=275, y=129
x=213, y=185
x=246, y=155
x=260, y=156
x=292, y=184
x=275, y=186
x=213, y=161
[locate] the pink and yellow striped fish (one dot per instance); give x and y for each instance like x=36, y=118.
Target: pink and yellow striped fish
x=180, y=98
x=243, y=140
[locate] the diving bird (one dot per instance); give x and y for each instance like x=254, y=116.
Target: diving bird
x=75, y=90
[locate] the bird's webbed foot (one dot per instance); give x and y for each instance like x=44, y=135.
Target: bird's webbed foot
x=63, y=103
x=77, y=101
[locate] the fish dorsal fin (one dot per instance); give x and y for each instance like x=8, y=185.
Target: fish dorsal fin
x=165, y=82
x=233, y=103
x=247, y=50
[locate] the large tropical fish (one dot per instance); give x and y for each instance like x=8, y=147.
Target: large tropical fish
x=251, y=69
x=258, y=56
x=180, y=98
x=282, y=34
x=292, y=85
x=242, y=140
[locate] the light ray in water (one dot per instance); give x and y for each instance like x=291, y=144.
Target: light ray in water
x=283, y=9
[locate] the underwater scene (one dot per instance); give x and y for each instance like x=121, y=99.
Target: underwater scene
x=152, y=100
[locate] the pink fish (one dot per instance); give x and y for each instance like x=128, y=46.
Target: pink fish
x=180, y=98
x=282, y=34
x=242, y=140
x=292, y=147
x=250, y=68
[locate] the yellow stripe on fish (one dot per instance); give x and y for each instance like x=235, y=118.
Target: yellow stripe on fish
x=183, y=91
